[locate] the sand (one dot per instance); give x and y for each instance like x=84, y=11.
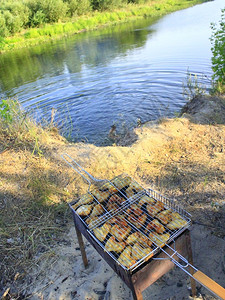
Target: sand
x=65, y=278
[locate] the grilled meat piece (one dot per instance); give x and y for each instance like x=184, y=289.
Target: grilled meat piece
x=138, y=252
x=159, y=239
x=155, y=224
x=177, y=221
x=154, y=209
x=137, y=221
x=97, y=210
x=144, y=241
x=125, y=257
x=120, y=232
x=135, y=186
x=100, y=196
x=84, y=199
x=138, y=237
x=129, y=192
x=119, y=220
x=84, y=210
x=101, y=232
x=113, y=245
x=175, y=215
x=91, y=221
x=134, y=209
x=164, y=216
x=120, y=182
x=146, y=199
x=106, y=186
x=114, y=202
x=132, y=238
x=112, y=206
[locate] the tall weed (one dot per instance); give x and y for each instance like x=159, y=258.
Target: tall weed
x=17, y=128
x=218, y=51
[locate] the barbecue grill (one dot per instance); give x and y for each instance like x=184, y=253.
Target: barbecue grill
x=140, y=233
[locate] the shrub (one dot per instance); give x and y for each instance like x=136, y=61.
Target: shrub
x=47, y=11
x=13, y=23
x=3, y=28
x=78, y=7
x=38, y=18
x=21, y=11
x=107, y=4
x=218, y=52
x=137, y=1
x=54, y=9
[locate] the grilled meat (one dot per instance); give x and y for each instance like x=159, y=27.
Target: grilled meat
x=159, y=239
x=120, y=232
x=132, y=238
x=135, y=186
x=84, y=210
x=106, y=186
x=120, y=182
x=114, y=202
x=134, y=209
x=113, y=245
x=156, y=225
x=125, y=257
x=146, y=199
x=177, y=221
x=97, y=210
x=84, y=199
x=138, y=252
x=129, y=192
x=100, y=196
x=91, y=221
x=144, y=241
x=101, y=232
x=137, y=221
x=164, y=216
x=154, y=209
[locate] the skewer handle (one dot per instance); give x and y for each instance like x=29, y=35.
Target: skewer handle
x=210, y=284
x=76, y=167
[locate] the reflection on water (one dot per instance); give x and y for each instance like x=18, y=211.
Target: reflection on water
x=68, y=56
x=116, y=75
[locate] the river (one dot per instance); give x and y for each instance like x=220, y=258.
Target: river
x=129, y=73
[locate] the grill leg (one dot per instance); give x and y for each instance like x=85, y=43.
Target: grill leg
x=82, y=248
x=137, y=295
x=190, y=259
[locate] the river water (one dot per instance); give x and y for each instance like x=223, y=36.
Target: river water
x=117, y=75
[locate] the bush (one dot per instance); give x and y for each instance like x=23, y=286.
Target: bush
x=21, y=11
x=137, y=1
x=3, y=28
x=78, y=7
x=37, y=19
x=218, y=51
x=12, y=22
x=46, y=11
x=54, y=9
x=106, y=4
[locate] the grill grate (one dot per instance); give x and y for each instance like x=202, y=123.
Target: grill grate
x=125, y=219
x=128, y=225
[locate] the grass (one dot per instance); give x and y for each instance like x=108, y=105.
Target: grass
x=34, y=36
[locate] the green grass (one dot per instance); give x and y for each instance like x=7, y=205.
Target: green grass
x=93, y=21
